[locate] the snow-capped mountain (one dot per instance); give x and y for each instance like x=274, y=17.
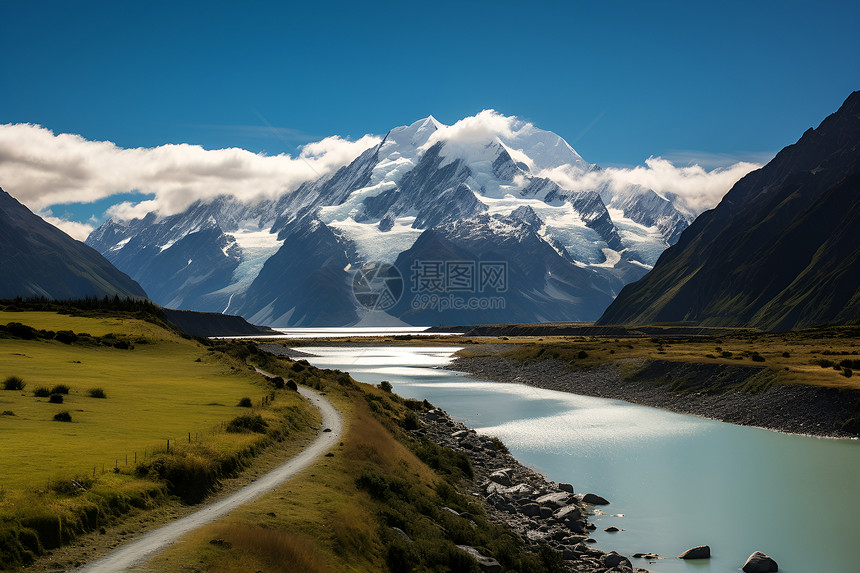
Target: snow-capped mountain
x=490, y=194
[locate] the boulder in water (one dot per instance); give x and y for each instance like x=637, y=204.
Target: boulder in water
x=700, y=552
x=758, y=562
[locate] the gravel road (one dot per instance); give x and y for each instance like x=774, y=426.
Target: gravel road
x=145, y=547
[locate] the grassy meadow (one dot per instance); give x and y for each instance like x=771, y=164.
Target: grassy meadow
x=164, y=388
x=157, y=385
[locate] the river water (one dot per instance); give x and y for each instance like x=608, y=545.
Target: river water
x=674, y=481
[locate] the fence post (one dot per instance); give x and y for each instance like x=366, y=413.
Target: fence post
x=189, y=437
x=168, y=444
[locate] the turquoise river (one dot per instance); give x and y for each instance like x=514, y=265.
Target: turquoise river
x=674, y=481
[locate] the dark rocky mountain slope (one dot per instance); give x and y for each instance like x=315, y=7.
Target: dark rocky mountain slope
x=39, y=260
x=781, y=250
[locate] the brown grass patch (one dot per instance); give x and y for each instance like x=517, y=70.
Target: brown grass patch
x=254, y=548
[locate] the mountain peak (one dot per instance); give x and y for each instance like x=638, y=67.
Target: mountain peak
x=415, y=134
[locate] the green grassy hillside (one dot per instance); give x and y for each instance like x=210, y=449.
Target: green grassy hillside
x=128, y=386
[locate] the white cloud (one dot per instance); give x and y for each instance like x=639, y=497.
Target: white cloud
x=481, y=128
x=74, y=229
x=41, y=168
x=692, y=189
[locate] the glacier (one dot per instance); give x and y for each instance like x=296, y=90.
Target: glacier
x=487, y=188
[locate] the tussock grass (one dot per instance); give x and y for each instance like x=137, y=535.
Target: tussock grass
x=63, y=416
x=13, y=383
x=96, y=393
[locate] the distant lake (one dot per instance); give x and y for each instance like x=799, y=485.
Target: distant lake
x=348, y=331
x=679, y=481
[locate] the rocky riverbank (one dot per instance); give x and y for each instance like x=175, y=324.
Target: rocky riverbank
x=537, y=510
x=697, y=389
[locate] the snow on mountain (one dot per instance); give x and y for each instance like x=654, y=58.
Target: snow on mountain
x=482, y=188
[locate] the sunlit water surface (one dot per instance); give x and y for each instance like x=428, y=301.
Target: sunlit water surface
x=676, y=481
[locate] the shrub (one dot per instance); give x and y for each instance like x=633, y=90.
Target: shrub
x=7, y=413
x=444, y=460
x=292, y=386
x=19, y=330
x=824, y=363
x=756, y=357
x=278, y=382
x=381, y=486
x=41, y=392
x=847, y=372
x=414, y=404
x=786, y=355
x=402, y=557
x=56, y=399
x=13, y=383
x=582, y=354
x=500, y=445
x=60, y=389
x=247, y=423
x=62, y=417
x=96, y=393
x=410, y=421
x=188, y=475
x=726, y=354
x=385, y=385
x=244, y=402
x=66, y=336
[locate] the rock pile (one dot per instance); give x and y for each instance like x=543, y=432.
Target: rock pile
x=541, y=512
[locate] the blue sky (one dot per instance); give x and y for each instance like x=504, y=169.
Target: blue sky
x=621, y=81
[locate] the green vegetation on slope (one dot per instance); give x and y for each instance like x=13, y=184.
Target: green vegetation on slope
x=159, y=430
x=340, y=514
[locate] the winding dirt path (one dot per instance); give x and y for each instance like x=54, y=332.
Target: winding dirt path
x=145, y=547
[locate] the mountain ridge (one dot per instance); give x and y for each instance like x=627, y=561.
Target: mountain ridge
x=423, y=177
x=39, y=260
x=777, y=253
